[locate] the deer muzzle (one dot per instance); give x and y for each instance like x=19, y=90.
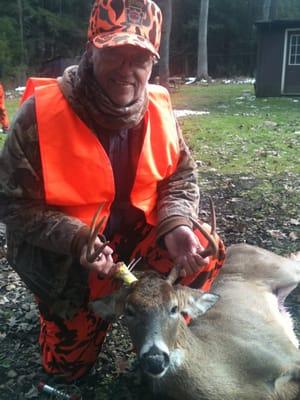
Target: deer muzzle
x=155, y=362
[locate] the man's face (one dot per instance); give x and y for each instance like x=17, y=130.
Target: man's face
x=122, y=72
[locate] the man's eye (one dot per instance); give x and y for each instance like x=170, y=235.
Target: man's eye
x=141, y=60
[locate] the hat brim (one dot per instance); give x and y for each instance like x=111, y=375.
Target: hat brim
x=117, y=39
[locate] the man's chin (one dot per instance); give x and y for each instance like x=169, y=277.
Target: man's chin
x=124, y=101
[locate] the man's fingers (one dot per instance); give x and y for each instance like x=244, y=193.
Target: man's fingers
x=106, y=251
x=201, y=261
x=191, y=264
x=186, y=269
x=104, y=264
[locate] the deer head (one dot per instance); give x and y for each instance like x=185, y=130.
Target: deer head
x=153, y=311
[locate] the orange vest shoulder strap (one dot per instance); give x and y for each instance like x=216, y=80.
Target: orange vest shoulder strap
x=32, y=83
x=160, y=152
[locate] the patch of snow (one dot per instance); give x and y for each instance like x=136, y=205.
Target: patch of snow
x=186, y=113
x=20, y=89
x=190, y=80
x=238, y=81
x=2, y=228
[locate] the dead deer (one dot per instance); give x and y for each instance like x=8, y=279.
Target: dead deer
x=240, y=344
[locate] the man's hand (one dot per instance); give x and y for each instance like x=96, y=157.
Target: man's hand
x=184, y=247
x=104, y=264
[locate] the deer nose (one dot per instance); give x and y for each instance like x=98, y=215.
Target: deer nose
x=155, y=362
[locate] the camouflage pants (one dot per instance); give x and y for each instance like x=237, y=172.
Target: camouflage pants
x=71, y=347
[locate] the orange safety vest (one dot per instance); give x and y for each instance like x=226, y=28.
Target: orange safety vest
x=32, y=83
x=77, y=172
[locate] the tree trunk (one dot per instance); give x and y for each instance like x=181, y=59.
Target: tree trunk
x=164, y=70
x=60, y=7
x=269, y=10
x=266, y=10
x=20, y=9
x=22, y=75
x=274, y=7
x=202, y=65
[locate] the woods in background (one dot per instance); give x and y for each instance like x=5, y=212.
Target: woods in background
x=33, y=32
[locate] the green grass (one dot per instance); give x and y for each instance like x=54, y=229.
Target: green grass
x=241, y=133
x=11, y=106
x=247, y=151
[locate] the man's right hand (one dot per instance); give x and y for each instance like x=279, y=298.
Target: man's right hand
x=104, y=265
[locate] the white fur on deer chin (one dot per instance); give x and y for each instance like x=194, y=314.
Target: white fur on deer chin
x=176, y=358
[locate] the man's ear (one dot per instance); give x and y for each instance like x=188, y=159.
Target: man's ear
x=195, y=302
x=112, y=306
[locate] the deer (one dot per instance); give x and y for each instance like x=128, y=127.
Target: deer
x=240, y=343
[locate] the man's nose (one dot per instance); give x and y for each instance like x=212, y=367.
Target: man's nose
x=125, y=65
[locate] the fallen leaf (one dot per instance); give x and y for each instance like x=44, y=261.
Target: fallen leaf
x=293, y=236
x=32, y=393
x=11, y=373
x=276, y=234
x=294, y=221
x=121, y=364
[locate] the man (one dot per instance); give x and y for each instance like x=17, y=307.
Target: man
x=4, y=122
x=99, y=135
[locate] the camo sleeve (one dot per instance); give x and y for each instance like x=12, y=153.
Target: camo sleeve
x=178, y=196
x=22, y=202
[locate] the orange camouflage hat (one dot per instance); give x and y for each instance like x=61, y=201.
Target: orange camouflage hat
x=119, y=22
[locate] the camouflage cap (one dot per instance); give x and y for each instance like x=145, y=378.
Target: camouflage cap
x=121, y=22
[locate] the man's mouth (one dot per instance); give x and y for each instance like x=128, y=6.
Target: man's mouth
x=122, y=83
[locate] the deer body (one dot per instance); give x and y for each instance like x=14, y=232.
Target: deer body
x=240, y=347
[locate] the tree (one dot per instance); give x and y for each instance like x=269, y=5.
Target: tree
x=164, y=71
x=202, y=64
x=269, y=10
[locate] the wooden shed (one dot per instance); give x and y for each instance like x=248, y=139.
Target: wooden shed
x=278, y=58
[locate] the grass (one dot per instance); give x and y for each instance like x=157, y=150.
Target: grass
x=247, y=151
x=11, y=106
x=241, y=133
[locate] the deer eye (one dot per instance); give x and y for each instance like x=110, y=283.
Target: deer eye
x=174, y=310
x=129, y=312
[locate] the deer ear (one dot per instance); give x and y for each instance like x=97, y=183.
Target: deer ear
x=110, y=307
x=194, y=302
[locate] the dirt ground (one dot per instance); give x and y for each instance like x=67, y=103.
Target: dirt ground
x=269, y=221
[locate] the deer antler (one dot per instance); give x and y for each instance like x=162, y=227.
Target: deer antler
x=211, y=249
x=174, y=274
x=124, y=273
x=92, y=255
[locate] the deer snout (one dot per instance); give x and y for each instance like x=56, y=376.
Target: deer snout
x=155, y=362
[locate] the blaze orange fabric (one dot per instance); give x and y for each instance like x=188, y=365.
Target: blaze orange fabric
x=32, y=83
x=79, y=179
x=3, y=113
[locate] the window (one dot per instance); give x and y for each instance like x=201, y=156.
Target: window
x=294, y=56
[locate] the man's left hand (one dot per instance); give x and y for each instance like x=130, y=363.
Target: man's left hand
x=184, y=248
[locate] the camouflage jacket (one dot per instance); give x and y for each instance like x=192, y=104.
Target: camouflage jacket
x=39, y=237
